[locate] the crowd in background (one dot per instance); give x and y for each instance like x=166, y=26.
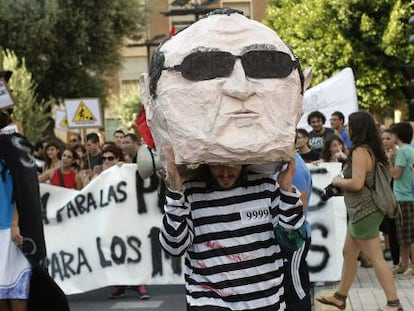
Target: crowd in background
x=76, y=163
x=324, y=144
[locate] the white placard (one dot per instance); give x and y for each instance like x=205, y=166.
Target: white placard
x=96, y=237
x=83, y=112
x=338, y=93
x=6, y=99
x=328, y=222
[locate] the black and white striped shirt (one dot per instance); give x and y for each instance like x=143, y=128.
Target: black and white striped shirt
x=232, y=259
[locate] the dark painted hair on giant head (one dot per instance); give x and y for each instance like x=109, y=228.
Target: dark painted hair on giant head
x=158, y=57
x=364, y=131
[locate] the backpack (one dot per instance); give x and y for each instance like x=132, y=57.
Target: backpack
x=382, y=193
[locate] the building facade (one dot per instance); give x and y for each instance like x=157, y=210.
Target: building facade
x=136, y=58
x=163, y=18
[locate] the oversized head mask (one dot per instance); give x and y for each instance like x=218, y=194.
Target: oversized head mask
x=225, y=90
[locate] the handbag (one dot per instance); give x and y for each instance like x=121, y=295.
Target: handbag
x=382, y=193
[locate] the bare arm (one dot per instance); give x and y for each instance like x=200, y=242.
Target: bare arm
x=15, y=229
x=397, y=172
x=285, y=177
x=361, y=164
x=78, y=181
x=303, y=197
x=47, y=175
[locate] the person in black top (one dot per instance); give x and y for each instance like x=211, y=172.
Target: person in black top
x=319, y=133
x=302, y=145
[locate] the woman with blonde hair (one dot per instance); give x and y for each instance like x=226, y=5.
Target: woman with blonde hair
x=364, y=216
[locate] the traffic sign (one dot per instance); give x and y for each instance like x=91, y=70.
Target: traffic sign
x=83, y=112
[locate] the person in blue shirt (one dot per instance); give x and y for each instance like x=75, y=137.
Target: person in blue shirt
x=15, y=269
x=403, y=176
x=338, y=124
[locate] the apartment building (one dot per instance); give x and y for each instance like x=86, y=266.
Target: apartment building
x=165, y=16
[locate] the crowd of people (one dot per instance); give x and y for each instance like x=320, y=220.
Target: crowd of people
x=234, y=261
x=74, y=164
x=358, y=147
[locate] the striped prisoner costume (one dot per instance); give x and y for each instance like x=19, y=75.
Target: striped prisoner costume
x=232, y=261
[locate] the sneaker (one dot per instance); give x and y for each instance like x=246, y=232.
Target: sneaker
x=117, y=292
x=399, y=269
x=143, y=292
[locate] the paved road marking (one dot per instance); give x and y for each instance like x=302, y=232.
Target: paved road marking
x=153, y=304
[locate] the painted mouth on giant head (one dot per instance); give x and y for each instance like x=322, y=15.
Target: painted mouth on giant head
x=243, y=113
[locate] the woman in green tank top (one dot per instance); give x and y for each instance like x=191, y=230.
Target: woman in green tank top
x=364, y=216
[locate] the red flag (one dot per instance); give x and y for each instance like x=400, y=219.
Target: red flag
x=172, y=31
x=144, y=129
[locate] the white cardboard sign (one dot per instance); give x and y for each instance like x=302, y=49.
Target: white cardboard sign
x=97, y=237
x=6, y=99
x=338, y=93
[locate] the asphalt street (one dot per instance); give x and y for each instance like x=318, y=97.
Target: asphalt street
x=163, y=298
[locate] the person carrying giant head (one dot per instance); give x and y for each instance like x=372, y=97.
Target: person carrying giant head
x=226, y=89
x=222, y=100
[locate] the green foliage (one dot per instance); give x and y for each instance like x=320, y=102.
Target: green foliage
x=70, y=46
x=128, y=104
x=371, y=37
x=31, y=113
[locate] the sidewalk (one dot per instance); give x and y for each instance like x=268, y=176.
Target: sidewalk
x=366, y=293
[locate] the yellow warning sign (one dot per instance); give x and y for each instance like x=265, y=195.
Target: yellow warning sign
x=83, y=114
x=64, y=122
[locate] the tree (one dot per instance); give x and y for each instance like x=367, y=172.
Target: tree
x=28, y=111
x=70, y=46
x=368, y=36
x=127, y=104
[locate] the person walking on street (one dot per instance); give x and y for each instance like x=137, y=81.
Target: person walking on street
x=403, y=176
x=364, y=216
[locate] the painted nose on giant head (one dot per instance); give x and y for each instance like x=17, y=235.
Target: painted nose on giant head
x=237, y=85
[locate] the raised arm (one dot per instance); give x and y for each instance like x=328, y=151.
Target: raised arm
x=177, y=231
x=288, y=205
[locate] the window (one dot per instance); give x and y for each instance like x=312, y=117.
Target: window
x=132, y=67
x=244, y=6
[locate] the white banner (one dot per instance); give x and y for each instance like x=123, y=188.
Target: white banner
x=328, y=222
x=97, y=237
x=338, y=93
